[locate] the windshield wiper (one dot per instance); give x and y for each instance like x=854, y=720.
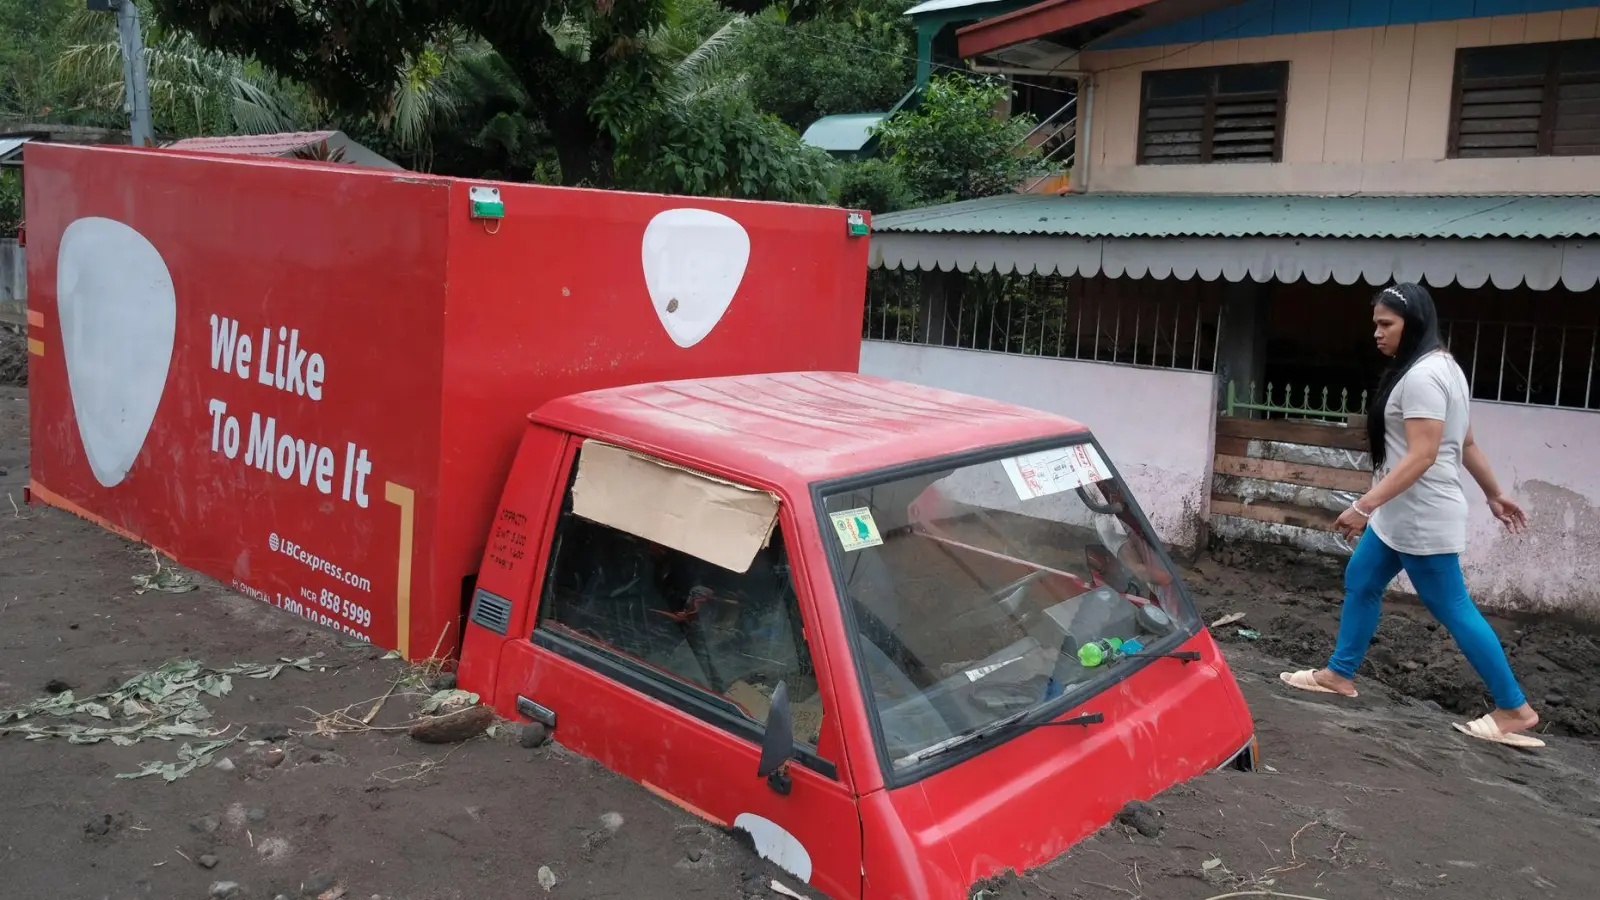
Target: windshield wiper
x=962, y=740
x=1084, y=719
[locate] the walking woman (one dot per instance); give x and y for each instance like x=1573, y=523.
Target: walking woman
x=1415, y=515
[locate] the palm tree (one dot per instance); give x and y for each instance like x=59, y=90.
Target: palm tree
x=193, y=90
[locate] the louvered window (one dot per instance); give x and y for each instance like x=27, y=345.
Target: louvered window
x=1527, y=100
x=1225, y=114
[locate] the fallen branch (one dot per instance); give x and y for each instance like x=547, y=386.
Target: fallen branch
x=1262, y=894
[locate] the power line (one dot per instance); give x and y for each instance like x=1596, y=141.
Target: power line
x=1222, y=35
x=912, y=59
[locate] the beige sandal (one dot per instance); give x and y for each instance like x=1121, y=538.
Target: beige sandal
x=1485, y=729
x=1306, y=680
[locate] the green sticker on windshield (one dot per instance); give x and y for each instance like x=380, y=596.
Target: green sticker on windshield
x=856, y=529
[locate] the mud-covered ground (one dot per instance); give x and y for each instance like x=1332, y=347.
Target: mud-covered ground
x=1292, y=600
x=13, y=358
x=1373, y=799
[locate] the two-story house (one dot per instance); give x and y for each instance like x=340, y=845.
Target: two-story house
x=1248, y=175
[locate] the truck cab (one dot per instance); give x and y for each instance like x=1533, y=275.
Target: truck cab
x=904, y=639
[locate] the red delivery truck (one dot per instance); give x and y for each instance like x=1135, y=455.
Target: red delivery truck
x=905, y=639
x=902, y=638
x=308, y=380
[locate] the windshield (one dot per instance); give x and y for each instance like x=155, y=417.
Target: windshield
x=979, y=593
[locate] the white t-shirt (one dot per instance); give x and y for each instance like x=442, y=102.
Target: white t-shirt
x=1430, y=517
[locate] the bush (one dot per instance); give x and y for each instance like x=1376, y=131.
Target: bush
x=722, y=146
x=952, y=146
x=10, y=202
x=874, y=184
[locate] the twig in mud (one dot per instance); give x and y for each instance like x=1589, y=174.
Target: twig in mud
x=373, y=712
x=1368, y=788
x=427, y=665
x=341, y=722
x=1271, y=857
x=1111, y=888
x=1262, y=894
x=422, y=766
x=182, y=854
x=1293, y=853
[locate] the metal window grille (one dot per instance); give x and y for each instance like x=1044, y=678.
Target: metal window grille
x=1166, y=324
x=1528, y=363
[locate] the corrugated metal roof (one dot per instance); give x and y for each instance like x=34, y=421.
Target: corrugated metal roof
x=254, y=144
x=1194, y=215
x=844, y=133
x=11, y=146
x=936, y=5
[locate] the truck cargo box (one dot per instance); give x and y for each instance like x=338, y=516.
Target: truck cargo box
x=308, y=380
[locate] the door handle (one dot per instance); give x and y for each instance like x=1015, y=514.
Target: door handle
x=544, y=715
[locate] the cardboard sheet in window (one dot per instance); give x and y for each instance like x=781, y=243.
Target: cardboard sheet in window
x=715, y=520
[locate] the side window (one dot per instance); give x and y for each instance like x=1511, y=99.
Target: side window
x=1225, y=114
x=700, y=629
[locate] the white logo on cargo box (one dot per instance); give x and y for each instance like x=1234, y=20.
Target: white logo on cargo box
x=693, y=261
x=119, y=315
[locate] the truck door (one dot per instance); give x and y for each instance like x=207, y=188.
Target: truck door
x=660, y=662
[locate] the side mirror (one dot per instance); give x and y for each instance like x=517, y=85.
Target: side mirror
x=777, y=746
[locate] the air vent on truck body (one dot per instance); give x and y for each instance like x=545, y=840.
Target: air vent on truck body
x=491, y=611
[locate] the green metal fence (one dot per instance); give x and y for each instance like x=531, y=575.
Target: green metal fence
x=1283, y=402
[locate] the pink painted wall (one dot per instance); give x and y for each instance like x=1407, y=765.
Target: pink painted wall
x=1157, y=424
x=1546, y=459
x=1368, y=111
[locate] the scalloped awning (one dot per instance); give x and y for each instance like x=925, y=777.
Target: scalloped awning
x=1472, y=241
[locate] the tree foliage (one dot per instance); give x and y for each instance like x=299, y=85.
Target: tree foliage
x=30, y=37
x=860, y=59
x=193, y=90
x=722, y=146
x=10, y=202
x=874, y=184
x=686, y=96
x=703, y=136
x=583, y=66
x=952, y=146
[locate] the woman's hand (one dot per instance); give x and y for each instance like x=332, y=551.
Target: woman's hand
x=1350, y=524
x=1509, y=513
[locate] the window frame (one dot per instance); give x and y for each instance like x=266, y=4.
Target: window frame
x=1550, y=84
x=894, y=778
x=1208, y=118
x=611, y=663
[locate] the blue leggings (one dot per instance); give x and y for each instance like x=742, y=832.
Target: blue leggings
x=1438, y=581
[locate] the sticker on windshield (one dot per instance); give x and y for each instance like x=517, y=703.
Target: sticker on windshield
x=856, y=529
x=1053, y=471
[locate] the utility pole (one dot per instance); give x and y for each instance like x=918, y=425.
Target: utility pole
x=135, y=78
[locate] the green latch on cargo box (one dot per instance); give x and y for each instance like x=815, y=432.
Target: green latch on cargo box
x=858, y=224
x=486, y=203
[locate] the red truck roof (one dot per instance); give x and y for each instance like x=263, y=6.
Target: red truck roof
x=806, y=425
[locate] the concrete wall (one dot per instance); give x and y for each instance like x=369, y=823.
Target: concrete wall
x=13, y=272
x=1545, y=458
x=1156, y=424
x=1368, y=111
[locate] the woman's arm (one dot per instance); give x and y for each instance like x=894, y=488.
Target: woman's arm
x=1504, y=508
x=1476, y=462
x=1422, y=450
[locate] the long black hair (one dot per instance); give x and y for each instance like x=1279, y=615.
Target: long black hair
x=1414, y=304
